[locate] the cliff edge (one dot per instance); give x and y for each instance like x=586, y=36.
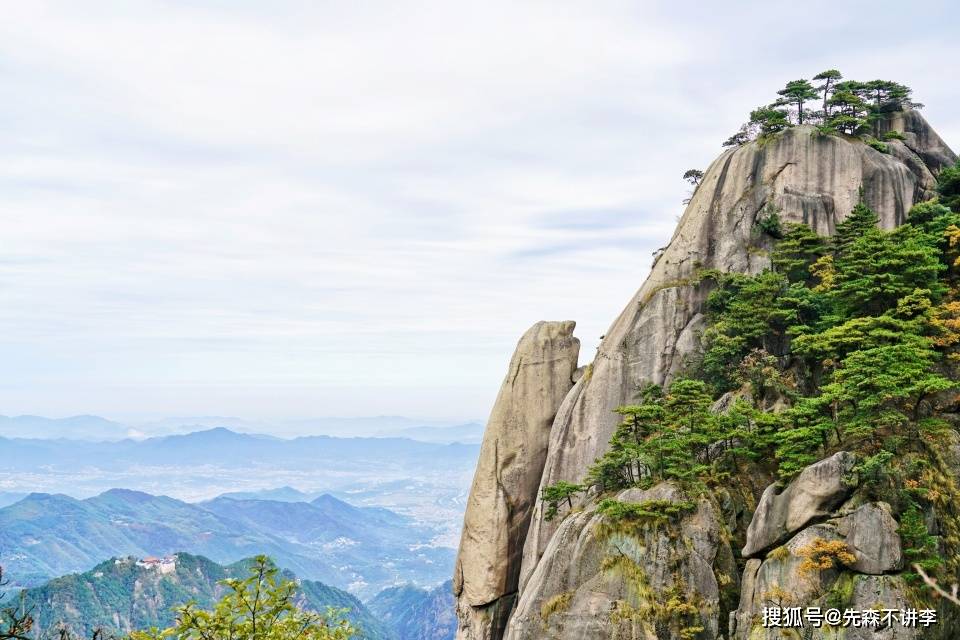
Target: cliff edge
x=520, y=575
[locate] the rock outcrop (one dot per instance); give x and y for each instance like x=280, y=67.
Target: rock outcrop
x=804, y=176
x=782, y=581
x=920, y=138
x=596, y=581
x=508, y=473
x=840, y=563
x=565, y=589
x=812, y=494
x=871, y=536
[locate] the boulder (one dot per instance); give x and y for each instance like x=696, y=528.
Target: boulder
x=920, y=138
x=811, y=495
x=508, y=473
x=781, y=580
x=871, y=534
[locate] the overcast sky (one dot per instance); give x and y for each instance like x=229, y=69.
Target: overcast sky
x=291, y=209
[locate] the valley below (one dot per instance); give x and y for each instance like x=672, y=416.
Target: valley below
x=360, y=516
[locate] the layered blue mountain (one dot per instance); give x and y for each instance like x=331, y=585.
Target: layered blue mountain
x=222, y=447
x=359, y=549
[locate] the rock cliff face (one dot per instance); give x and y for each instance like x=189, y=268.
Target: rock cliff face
x=508, y=473
x=595, y=581
x=806, y=177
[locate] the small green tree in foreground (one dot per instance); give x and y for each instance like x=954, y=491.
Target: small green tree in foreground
x=260, y=607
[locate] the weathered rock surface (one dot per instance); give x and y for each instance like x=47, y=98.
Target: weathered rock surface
x=887, y=592
x=871, y=535
x=920, y=138
x=508, y=473
x=812, y=494
x=601, y=582
x=569, y=588
x=792, y=576
x=782, y=581
x=808, y=178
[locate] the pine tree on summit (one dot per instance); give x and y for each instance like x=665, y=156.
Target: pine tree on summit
x=829, y=77
x=797, y=93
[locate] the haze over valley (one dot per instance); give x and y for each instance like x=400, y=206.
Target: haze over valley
x=358, y=513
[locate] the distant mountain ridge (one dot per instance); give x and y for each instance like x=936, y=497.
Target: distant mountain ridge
x=280, y=494
x=120, y=595
x=426, y=481
x=417, y=614
x=362, y=549
x=469, y=433
x=93, y=427
x=39, y=427
x=224, y=447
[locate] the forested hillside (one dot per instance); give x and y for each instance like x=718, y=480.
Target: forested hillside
x=362, y=549
x=127, y=594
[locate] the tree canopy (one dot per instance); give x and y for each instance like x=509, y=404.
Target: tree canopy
x=948, y=186
x=848, y=107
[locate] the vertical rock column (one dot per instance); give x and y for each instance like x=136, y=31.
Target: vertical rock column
x=506, y=482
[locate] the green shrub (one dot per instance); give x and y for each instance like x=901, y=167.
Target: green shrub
x=769, y=223
x=646, y=512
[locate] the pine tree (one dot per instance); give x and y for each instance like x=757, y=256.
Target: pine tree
x=558, y=493
x=948, y=186
x=769, y=119
x=693, y=176
x=744, y=314
x=834, y=343
x=878, y=268
x=796, y=93
x=796, y=252
x=886, y=95
x=692, y=425
x=933, y=219
x=802, y=435
x=829, y=77
x=861, y=220
x=741, y=137
x=848, y=110
x=881, y=388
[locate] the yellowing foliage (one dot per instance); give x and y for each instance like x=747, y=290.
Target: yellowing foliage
x=822, y=554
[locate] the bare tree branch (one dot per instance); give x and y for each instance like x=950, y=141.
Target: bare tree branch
x=952, y=595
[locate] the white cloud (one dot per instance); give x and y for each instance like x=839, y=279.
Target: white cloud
x=356, y=208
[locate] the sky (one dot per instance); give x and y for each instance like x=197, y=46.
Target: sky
x=295, y=209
